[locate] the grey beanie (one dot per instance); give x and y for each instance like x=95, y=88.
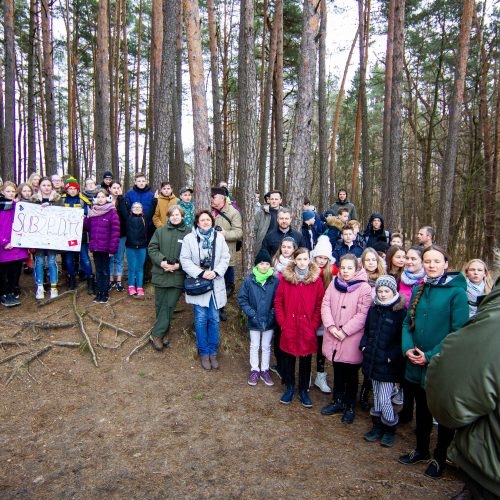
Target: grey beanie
x=388, y=281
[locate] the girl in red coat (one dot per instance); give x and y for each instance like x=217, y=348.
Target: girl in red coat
x=298, y=312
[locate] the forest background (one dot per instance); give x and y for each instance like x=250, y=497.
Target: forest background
x=94, y=85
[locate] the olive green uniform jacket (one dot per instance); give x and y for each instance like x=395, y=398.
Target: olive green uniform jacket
x=463, y=393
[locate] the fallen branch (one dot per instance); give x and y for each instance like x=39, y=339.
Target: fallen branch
x=13, y=342
x=27, y=361
x=141, y=343
x=117, y=329
x=66, y=343
x=12, y=356
x=42, y=325
x=84, y=332
x=60, y=296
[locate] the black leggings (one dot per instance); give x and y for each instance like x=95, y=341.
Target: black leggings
x=10, y=272
x=423, y=418
x=304, y=370
x=320, y=358
x=345, y=381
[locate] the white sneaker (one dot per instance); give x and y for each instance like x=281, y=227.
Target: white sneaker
x=40, y=292
x=321, y=384
x=53, y=293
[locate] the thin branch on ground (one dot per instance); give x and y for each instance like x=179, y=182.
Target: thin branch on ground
x=12, y=356
x=42, y=325
x=141, y=343
x=66, y=343
x=67, y=293
x=84, y=332
x=13, y=342
x=114, y=327
x=27, y=361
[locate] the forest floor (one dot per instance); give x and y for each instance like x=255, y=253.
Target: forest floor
x=159, y=426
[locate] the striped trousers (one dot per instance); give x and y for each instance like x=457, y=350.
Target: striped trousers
x=382, y=392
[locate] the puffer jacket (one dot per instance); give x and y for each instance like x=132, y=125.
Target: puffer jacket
x=333, y=230
x=297, y=305
x=143, y=196
x=441, y=310
x=6, y=222
x=348, y=312
x=463, y=393
x=257, y=302
x=381, y=342
x=164, y=203
x=104, y=232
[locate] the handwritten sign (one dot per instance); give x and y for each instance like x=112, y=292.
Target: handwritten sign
x=48, y=228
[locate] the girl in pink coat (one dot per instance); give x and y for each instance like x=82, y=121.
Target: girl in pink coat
x=343, y=311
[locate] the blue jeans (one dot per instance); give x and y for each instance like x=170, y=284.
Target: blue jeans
x=40, y=264
x=69, y=258
x=85, y=264
x=135, y=259
x=206, y=324
x=116, y=260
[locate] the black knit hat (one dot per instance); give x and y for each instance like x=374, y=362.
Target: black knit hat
x=262, y=256
x=107, y=175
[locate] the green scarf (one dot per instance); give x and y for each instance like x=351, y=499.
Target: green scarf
x=262, y=278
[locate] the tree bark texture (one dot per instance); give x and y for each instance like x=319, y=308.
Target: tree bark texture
x=299, y=170
x=31, y=89
x=102, y=124
x=322, y=126
x=199, y=102
x=450, y=155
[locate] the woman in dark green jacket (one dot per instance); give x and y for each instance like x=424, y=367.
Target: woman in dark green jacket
x=164, y=250
x=438, y=307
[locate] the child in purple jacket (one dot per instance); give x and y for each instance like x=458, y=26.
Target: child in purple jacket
x=11, y=258
x=103, y=225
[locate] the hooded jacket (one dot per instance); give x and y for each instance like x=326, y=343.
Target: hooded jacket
x=463, y=393
x=164, y=203
x=297, y=305
x=104, y=231
x=143, y=196
x=373, y=236
x=346, y=311
x=441, y=310
x=6, y=222
x=136, y=226
x=334, y=229
x=381, y=342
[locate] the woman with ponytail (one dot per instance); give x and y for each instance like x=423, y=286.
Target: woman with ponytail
x=438, y=307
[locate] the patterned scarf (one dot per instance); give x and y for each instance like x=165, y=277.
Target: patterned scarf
x=97, y=210
x=473, y=292
x=411, y=279
x=346, y=286
x=206, y=237
x=435, y=281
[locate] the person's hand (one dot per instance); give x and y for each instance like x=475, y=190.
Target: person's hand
x=8, y=246
x=340, y=334
x=156, y=194
x=209, y=275
x=416, y=356
x=169, y=268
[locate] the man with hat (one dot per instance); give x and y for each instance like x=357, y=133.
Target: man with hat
x=228, y=219
x=74, y=199
x=186, y=196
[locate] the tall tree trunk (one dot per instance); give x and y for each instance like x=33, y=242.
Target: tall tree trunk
x=266, y=109
x=9, y=138
x=214, y=70
x=322, y=126
x=394, y=193
x=247, y=126
x=386, y=139
x=355, y=154
x=336, y=120
x=364, y=13
x=137, y=94
x=48, y=75
x=126, y=97
x=102, y=123
x=199, y=102
x=114, y=79
x=299, y=170
x=165, y=95
x=450, y=155
x=31, y=89
x=278, y=102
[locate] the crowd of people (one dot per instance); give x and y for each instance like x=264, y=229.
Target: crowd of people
x=360, y=299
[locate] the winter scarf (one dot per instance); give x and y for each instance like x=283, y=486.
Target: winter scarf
x=261, y=278
x=206, y=237
x=281, y=264
x=386, y=304
x=473, y=292
x=411, y=279
x=435, y=281
x=98, y=210
x=301, y=273
x=346, y=286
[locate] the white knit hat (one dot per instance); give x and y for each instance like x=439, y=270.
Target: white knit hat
x=323, y=248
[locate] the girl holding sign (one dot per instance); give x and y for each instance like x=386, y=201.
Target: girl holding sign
x=46, y=196
x=10, y=258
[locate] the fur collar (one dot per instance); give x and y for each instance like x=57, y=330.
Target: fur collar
x=289, y=275
x=400, y=304
x=53, y=197
x=334, y=221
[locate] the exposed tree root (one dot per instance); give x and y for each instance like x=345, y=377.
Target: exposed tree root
x=42, y=325
x=67, y=293
x=117, y=329
x=27, y=361
x=12, y=356
x=84, y=332
x=141, y=343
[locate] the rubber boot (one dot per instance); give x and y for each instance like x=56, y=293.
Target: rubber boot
x=376, y=431
x=389, y=436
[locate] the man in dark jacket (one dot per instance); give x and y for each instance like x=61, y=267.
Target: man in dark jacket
x=272, y=241
x=463, y=393
x=342, y=202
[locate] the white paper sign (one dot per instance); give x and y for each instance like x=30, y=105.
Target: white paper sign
x=48, y=228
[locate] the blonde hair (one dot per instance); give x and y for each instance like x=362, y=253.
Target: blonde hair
x=7, y=184
x=488, y=279
x=20, y=188
x=380, y=264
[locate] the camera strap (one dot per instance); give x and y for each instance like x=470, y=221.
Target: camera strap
x=213, y=250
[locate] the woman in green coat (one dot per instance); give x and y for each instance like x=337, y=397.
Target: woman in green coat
x=438, y=307
x=164, y=250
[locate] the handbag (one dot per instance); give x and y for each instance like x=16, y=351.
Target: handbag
x=200, y=285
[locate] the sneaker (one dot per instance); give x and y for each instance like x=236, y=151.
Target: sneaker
x=265, y=376
x=40, y=292
x=287, y=397
x=3, y=300
x=253, y=378
x=17, y=292
x=11, y=300
x=140, y=292
x=205, y=362
x=112, y=285
x=334, y=408
x=132, y=290
x=321, y=384
x=348, y=416
x=305, y=399
x=414, y=457
x=434, y=470
x=53, y=292
x=213, y=361
x=97, y=298
x=104, y=299
x=119, y=286
x=157, y=343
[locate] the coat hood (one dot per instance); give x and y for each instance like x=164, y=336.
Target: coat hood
x=334, y=221
x=369, y=226
x=454, y=280
x=289, y=274
x=359, y=276
x=145, y=189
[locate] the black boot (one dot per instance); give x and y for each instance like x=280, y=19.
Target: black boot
x=97, y=298
x=90, y=285
x=71, y=282
x=364, y=395
x=376, y=431
x=336, y=406
x=389, y=436
x=348, y=416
